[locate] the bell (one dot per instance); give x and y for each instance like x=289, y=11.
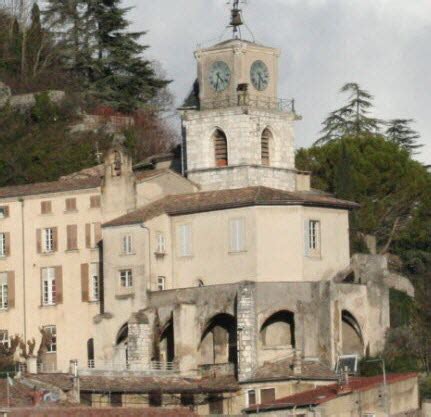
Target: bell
x=236, y=18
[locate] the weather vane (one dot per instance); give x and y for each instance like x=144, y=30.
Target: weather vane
x=236, y=18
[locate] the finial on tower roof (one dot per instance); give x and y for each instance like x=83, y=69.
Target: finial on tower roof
x=236, y=19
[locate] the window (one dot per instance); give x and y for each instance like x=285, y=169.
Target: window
x=312, y=245
x=265, y=143
x=126, y=278
x=116, y=399
x=94, y=282
x=267, y=395
x=48, y=286
x=93, y=235
x=4, y=212
x=220, y=148
x=161, y=243
x=155, y=399
x=46, y=207
x=4, y=339
x=161, y=283
x=94, y=201
x=48, y=240
x=51, y=332
x=72, y=237
x=187, y=400
x=237, y=235
x=4, y=295
x=70, y=204
x=185, y=240
x=127, y=245
x=2, y=244
x=215, y=404
x=251, y=398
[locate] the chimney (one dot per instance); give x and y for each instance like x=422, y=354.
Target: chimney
x=297, y=362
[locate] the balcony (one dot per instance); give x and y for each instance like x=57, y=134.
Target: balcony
x=243, y=98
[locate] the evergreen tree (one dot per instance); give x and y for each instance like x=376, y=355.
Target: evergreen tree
x=104, y=57
x=400, y=132
x=71, y=21
x=124, y=79
x=352, y=119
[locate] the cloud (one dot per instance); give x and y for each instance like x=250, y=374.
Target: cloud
x=382, y=44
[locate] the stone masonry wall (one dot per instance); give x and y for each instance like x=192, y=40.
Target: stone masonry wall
x=139, y=342
x=247, y=330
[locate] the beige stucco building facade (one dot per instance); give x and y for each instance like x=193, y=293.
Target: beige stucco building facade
x=220, y=270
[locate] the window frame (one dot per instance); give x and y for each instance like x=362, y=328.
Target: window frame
x=4, y=338
x=94, y=290
x=49, y=288
x=48, y=240
x=127, y=244
x=161, y=283
x=126, y=276
x=4, y=212
x=247, y=397
x=3, y=245
x=237, y=225
x=314, y=238
x=4, y=291
x=185, y=240
x=160, y=243
x=52, y=329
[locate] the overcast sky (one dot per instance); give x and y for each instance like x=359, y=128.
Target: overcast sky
x=384, y=45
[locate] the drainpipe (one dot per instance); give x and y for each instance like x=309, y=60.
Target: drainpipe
x=21, y=200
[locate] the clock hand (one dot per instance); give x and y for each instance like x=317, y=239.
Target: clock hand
x=219, y=78
x=260, y=80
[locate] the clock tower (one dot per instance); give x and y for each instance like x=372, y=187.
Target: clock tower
x=237, y=131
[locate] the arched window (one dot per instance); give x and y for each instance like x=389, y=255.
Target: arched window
x=265, y=144
x=352, y=341
x=220, y=148
x=279, y=330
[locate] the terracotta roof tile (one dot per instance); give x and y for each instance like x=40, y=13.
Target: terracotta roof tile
x=223, y=199
x=139, y=384
x=49, y=187
x=100, y=412
x=19, y=394
x=326, y=393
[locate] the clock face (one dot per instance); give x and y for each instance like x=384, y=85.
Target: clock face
x=259, y=75
x=219, y=76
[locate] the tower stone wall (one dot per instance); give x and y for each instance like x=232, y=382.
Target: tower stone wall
x=247, y=331
x=243, y=127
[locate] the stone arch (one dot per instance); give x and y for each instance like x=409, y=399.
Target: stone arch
x=278, y=330
x=218, y=344
x=221, y=154
x=266, y=146
x=121, y=356
x=167, y=342
x=352, y=341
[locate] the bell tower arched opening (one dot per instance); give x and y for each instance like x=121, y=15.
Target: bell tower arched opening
x=220, y=148
x=266, y=141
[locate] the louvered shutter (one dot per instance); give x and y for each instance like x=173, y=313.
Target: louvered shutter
x=11, y=289
x=59, y=285
x=85, y=283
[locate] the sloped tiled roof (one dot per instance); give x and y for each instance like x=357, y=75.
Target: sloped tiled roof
x=224, y=199
x=327, y=393
x=49, y=187
x=139, y=384
x=100, y=412
x=19, y=394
